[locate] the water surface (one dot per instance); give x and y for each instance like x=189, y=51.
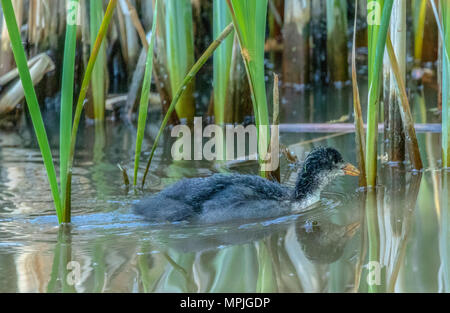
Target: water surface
x=402, y=226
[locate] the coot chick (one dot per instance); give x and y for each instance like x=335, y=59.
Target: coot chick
x=223, y=197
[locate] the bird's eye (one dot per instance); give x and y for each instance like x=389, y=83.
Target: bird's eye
x=315, y=226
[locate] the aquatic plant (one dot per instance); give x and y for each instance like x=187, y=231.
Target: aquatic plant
x=79, y=106
x=249, y=19
x=419, y=8
x=179, y=43
x=98, y=73
x=222, y=60
x=143, y=106
x=67, y=84
x=398, y=98
x=275, y=135
x=68, y=130
x=32, y=102
x=174, y=19
x=444, y=74
x=377, y=32
x=411, y=139
x=394, y=143
x=359, y=123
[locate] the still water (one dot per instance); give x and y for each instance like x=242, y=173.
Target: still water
x=394, y=238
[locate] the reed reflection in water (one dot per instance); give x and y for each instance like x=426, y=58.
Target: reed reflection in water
x=327, y=249
x=402, y=225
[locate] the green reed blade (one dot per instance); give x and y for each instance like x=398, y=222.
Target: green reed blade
x=143, y=106
x=194, y=70
x=180, y=52
x=68, y=75
x=419, y=12
x=98, y=73
x=359, y=123
x=222, y=60
x=79, y=107
x=249, y=19
x=32, y=102
x=377, y=42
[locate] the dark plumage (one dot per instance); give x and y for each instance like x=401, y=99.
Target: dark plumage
x=319, y=162
x=222, y=197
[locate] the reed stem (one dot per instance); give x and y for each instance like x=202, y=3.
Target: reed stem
x=359, y=123
x=222, y=60
x=98, y=73
x=377, y=41
x=275, y=135
x=67, y=85
x=249, y=19
x=419, y=28
x=405, y=112
x=394, y=136
x=143, y=106
x=81, y=98
x=180, y=52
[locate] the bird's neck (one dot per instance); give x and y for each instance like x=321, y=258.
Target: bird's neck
x=307, y=186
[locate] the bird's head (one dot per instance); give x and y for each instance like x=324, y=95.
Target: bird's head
x=326, y=161
x=320, y=167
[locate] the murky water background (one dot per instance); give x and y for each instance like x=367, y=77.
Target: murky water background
x=402, y=227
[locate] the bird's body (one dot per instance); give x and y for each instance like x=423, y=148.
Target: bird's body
x=218, y=198
x=225, y=197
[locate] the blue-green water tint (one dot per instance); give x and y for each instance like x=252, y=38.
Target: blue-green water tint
x=322, y=250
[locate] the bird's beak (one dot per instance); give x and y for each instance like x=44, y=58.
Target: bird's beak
x=350, y=169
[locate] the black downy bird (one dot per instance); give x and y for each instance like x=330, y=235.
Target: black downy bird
x=223, y=197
